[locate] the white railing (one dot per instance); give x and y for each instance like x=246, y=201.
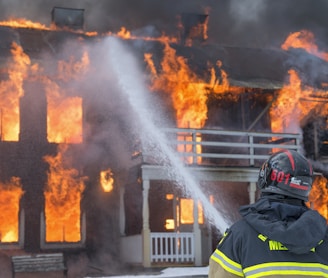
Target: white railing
x=222, y=147
x=172, y=248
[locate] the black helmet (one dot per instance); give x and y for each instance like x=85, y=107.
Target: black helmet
x=286, y=173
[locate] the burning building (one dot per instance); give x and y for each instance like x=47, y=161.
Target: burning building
x=74, y=175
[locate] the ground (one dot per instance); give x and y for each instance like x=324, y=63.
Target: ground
x=81, y=267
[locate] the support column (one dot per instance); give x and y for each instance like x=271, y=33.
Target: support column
x=197, y=237
x=122, y=211
x=145, y=224
x=252, y=192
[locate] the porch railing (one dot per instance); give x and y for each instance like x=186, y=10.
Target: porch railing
x=172, y=248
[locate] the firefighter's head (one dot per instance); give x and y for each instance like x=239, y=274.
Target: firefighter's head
x=286, y=173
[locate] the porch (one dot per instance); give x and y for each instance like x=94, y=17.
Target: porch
x=211, y=155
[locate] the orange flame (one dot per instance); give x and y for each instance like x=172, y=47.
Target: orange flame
x=318, y=198
x=187, y=212
x=107, y=180
x=23, y=23
x=291, y=107
x=10, y=91
x=11, y=193
x=188, y=92
x=63, y=200
x=304, y=39
x=64, y=120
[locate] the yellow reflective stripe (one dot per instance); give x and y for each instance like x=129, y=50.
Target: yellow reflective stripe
x=226, y=263
x=224, y=236
x=287, y=268
x=262, y=237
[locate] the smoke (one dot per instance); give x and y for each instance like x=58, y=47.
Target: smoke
x=265, y=23
x=103, y=15
x=233, y=22
x=246, y=11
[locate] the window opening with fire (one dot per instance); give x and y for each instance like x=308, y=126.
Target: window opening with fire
x=11, y=193
x=107, y=180
x=63, y=200
x=183, y=213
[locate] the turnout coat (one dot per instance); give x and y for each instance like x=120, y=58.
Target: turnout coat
x=276, y=237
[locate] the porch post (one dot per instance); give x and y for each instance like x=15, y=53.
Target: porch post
x=197, y=237
x=145, y=224
x=122, y=211
x=252, y=192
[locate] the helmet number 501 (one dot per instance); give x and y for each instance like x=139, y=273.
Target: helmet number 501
x=279, y=176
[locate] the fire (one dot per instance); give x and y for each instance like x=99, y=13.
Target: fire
x=318, y=198
x=62, y=200
x=65, y=113
x=287, y=110
x=304, y=39
x=187, y=209
x=10, y=195
x=188, y=92
x=23, y=23
x=11, y=90
x=107, y=180
x=64, y=119
x=291, y=107
x=185, y=212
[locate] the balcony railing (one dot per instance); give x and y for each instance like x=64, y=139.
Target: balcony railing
x=222, y=147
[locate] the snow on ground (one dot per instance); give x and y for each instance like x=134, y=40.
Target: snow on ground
x=171, y=272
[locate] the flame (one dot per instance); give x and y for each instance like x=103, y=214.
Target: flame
x=304, y=39
x=64, y=113
x=188, y=92
x=62, y=200
x=64, y=119
x=123, y=33
x=318, y=198
x=107, y=180
x=10, y=91
x=10, y=195
x=287, y=108
x=290, y=107
x=23, y=23
x=187, y=211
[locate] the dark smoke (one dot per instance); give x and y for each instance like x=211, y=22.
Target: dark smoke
x=231, y=22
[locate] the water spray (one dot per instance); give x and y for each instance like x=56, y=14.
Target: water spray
x=131, y=83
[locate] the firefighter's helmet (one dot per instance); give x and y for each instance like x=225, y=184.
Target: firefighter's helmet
x=286, y=173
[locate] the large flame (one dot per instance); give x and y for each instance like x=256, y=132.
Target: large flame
x=10, y=194
x=64, y=121
x=63, y=200
x=10, y=91
x=188, y=92
x=318, y=198
x=288, y=110
x=64, y=117
x=305, y=40
x=291, y=106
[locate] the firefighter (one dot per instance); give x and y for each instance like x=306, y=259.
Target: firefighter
x=278, y=235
